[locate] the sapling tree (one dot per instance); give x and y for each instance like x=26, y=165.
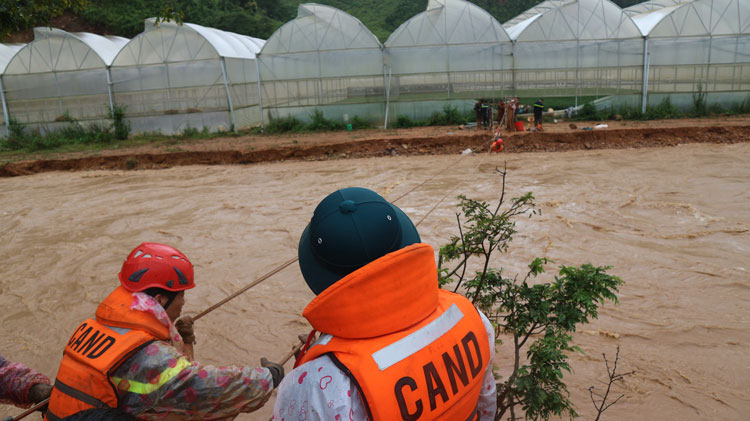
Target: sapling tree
x=539, y=317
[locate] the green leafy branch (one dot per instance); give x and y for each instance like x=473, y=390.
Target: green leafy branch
x=539, y=317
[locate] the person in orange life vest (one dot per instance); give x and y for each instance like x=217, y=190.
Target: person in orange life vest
x=393, y=345
x=133, y=357
x=22, y=386
x=497, y=145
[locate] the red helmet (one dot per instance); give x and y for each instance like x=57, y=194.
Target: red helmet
x=156, y=265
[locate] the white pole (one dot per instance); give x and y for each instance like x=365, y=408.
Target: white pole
x=5, y=108
x=387, y=82
x=644, y=93
x=260, y=93
x=109, y=90
x=229, y=97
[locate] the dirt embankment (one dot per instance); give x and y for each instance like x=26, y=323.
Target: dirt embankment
x=318, y=147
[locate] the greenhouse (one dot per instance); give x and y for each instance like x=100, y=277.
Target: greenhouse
x=324, y=59
x=453, y=50
x=58, y=77
x=7, y=51
x=172, y=77
x=588, y=48
x=700, y=46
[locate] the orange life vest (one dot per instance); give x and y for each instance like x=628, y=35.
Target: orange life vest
x=414, y=351
x=95, y=350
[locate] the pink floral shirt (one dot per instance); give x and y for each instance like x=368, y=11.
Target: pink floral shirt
x=158, y=380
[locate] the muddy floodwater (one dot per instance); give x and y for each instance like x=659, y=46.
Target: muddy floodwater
x=673, y=222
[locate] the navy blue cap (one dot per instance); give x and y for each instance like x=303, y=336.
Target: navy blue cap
x=350, y=228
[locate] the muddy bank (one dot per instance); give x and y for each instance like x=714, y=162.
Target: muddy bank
x=450, y=143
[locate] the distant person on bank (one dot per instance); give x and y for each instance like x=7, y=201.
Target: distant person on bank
x=132, y=356
x=479, y=113
x=393, y=345
x=22, y=386
x=538, y=110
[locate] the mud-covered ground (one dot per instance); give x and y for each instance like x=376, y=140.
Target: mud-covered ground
x=562, y=136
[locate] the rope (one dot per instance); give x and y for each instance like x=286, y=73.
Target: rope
x=294, y=259
x=27, y=412
x=250, y=285
x=426, y=181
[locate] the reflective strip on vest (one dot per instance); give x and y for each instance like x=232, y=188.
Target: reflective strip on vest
x=414, y=342
x=81, y=396
x=164, y=377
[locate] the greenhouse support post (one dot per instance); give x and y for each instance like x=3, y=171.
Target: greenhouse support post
x=5, y=107
x=109, y=91
x=644, y=92
x=260, y=93
x=387, y=81
x=229, y=97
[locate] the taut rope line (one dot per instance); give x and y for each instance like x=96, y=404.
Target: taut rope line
x=294, y=259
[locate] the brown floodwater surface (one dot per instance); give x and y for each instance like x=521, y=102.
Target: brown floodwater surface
x=673, y=222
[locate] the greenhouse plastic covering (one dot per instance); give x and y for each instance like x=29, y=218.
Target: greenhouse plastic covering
x=454, y=49
x=323, y=57
x=172, y=77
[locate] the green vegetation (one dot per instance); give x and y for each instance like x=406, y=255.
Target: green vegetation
x=17, y=15
x=318, y=123
x=537, y=317
x=449, y=116
x=664, y=110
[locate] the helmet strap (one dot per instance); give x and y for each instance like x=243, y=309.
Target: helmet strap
x=170, y=298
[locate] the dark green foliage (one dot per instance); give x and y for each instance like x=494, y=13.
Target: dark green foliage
x=320, y=123
x=742, y=107
x=73, y=133
x=121, y=126
x=700, y=107
x=539, y=316
x=17, y=15
x=255, y=18
x=404, y=122
x=284, y=124
x=359, y=123
x=450, y=115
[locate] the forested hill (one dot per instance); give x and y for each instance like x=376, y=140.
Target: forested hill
x=260, y=18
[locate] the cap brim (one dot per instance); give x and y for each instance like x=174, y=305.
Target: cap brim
x=319, y=277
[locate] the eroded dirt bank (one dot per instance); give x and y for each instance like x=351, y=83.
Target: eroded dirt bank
x=446, y=142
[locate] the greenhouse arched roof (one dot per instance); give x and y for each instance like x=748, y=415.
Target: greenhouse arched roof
x=650, y=6
x=172, y=42
x=56, y=50
x=320, y=28
x=534, y=11
x=576, y=20
x=448, y=22
x=697, y=18
x=7, y=51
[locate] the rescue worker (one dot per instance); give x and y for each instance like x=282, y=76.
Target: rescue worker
x=479, y=113
x=22, y=386
x=497, y=145
x=538, y=110
x=130, y=356
x=393, y=345
x=486, y=114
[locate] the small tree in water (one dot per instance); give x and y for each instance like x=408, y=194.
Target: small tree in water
x=540, y=318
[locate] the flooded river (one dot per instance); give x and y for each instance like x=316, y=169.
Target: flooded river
x=673, y=222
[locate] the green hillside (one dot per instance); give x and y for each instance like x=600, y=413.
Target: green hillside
x=257, y=18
